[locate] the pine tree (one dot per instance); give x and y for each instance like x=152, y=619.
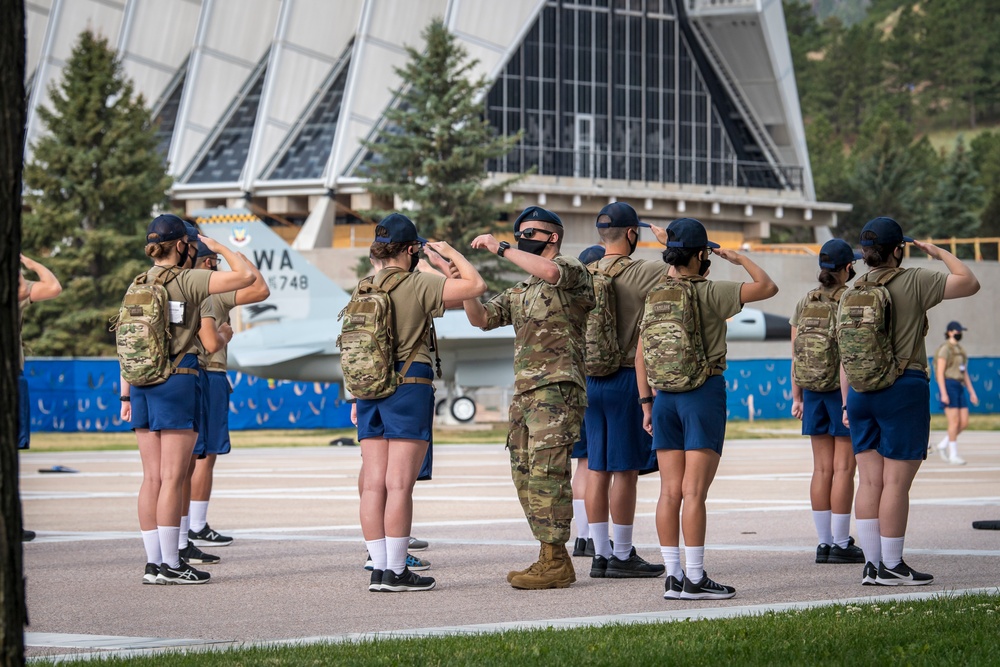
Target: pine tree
x=957, y=201
x=436, y=144
x=92, y=183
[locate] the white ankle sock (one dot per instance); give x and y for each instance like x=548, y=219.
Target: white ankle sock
x=821, y=519
x=182, y=536
x=694, y=563
x=395, y=553
x=952, y=449
x=672, y=561
x=580, y=518
x=841, y=525
x=943, y=443
x=602, y=543
x=151, y=541
x=892, y=551
x=168, y=544
x=376, y=551
x=869, y=540
x=198, y=515
x=623, y=542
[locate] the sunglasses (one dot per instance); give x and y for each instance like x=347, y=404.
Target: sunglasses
x=530, y=233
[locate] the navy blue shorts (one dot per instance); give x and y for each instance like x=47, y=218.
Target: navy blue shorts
x=213, y=437
x=956, y=394
x=616, y=440
x=580, y=446
x=895, y=421
x=173, y=405
x=23, y=412
x=692, y=419
x=406, y=415
x=823, y=413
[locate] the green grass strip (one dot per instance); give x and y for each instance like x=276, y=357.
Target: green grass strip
x=949, y=630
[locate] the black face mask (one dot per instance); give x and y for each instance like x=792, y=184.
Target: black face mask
x=703, y=265
x=414, y=260
x=185, y=256
x=957, y=337
x=851, y=272
x=534, y=246
x=632, y=244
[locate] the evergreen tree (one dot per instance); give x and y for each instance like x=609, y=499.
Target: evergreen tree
x=91, y=185
x=436, y=145
x=957, y=200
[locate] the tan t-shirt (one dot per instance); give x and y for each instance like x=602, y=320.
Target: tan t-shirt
x=913, y=292
x=217, y=307
x=550, y=325
x=718, y=300
x=955, y=360
x=21, y=306
x=414, y=301
x=190, y=287
x=631, y=287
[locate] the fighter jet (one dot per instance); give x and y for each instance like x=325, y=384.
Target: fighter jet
x=293, y=334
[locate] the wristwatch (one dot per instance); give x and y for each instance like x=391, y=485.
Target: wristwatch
x=643, y=400
x=504, y=246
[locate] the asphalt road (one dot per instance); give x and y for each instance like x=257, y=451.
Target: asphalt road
x=295, y=568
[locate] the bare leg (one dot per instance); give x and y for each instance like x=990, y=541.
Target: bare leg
x=403, y=466
x=668, y=505
x=175, y=462
x=844, y=467
x=700, y=466
x=822, y=476
x=201, y=481
x=375, y=452
x=149, y=491
x=622, y=496
x=894, y=505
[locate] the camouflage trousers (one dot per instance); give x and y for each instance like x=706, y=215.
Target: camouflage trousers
x=544, y=424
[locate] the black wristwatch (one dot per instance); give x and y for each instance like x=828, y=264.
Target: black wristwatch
x=643, y=400
x=125, y=399
x=504, y=247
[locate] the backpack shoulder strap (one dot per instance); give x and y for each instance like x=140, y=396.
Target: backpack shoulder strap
x=393, y=280
x=618, y=266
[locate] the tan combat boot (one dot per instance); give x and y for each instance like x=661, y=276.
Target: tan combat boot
x=554, y=569
x=531, y=568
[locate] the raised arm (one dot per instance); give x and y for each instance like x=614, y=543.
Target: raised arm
x=468, y=285
x=762, y=286
x=258, y=289
x=962, y=282
x=241, y=274
x=540, y=267
x=47, y=286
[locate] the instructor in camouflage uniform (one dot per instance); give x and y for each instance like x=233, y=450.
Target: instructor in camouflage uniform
x=549, y=315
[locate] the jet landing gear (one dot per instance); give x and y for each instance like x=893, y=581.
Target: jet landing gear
x=461, y=408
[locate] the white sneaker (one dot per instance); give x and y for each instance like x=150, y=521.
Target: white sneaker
x=956, y=460
x=943, y=452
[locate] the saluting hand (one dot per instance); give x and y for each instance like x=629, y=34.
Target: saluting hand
x=660, y=233
x=730, y=256
x=486, y=242
x=928, y=249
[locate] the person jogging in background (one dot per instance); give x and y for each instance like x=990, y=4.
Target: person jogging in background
x=395, y=421
x=682, y=354
x=549, y=314
x=816, y=401
x=28, y=292
x=881, y=328
x=952, y=372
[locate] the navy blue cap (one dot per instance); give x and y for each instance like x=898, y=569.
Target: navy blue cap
x=955, y=326
x=887, y=232
x=592, y=254
x=192, y=231
x=400, y=229
x=837, y=252
x=537, y=213
x=203, y=250
x=621, y=215
x=688, y=233
x=166, y=227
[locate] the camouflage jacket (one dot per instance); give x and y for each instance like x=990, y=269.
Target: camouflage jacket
x=550, y=325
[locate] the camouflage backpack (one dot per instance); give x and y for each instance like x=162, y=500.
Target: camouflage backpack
x=142, y=331
x=865, y=332
x=672, y=346
x=367, y=344
x=603, y=355
x=815, y=355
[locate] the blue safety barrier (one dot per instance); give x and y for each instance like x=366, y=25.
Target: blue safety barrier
x=82, y=395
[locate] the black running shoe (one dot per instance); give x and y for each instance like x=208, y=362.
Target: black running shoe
x=632, y=567
x=580, y=547
x=376, y=581
x=706, y=589
x=823, y=553
x=418, y=545
x=206, y=537
x=849, y=554
x=152, y=571
x=193, y=554
x=869, y=576
x=183, y=574
x=598, y=567
x=902, y=575
x=672, y=588
x=408, y=581
x=27, y=535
